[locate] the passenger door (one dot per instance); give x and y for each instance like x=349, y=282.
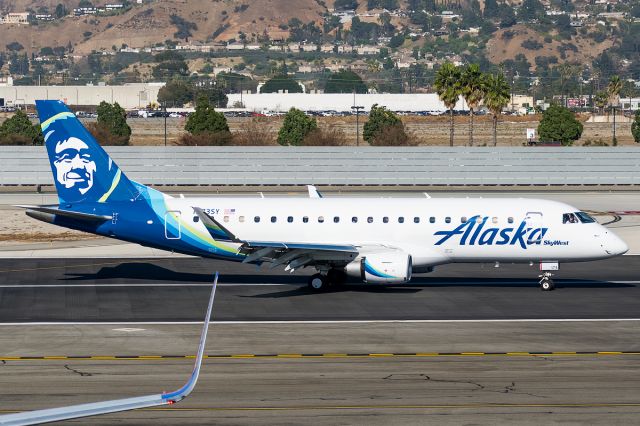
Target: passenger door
x=172, y=220
x=534, y=220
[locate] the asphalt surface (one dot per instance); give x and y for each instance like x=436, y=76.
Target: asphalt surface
x=176, y=289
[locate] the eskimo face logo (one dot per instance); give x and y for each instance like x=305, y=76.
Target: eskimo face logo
x=74, y=166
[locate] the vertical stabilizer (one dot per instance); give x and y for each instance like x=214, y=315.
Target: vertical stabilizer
x=82, y=170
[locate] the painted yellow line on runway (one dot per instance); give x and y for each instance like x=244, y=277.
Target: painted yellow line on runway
x=317, y=355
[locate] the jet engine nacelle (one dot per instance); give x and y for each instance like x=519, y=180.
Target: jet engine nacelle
x=390, y=267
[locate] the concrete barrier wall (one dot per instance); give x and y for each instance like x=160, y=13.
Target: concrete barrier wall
x=419, y=166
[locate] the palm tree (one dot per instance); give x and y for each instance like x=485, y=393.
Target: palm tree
x=447, y=85
x=497, y=96
x=613, y=92
x=473, y=90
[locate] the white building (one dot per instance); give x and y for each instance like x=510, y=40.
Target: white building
x=16, y=18
x=282, y=102
x=129, y=96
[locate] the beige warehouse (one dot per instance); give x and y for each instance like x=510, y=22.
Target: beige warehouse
x=129, y=96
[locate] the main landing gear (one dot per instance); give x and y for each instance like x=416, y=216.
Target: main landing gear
x=322, y=281
x=546, y=283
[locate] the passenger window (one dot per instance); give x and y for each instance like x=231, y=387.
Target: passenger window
x=385, y=219
x=226, y=218
x=320, y=219
x=416, y=220
x=432, y=219
x=447, y=219
x=510, y=220
x=369, y=219
x=494, y=219
x=354, y=219
x=336, y=219
x=256, y=219
x=401, y=219
x=463, y=219
x=240, y=218
x=290, y=219
x=305, y=219
x=273, y=219
x=196, y=219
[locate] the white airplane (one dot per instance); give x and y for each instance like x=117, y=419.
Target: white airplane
x=377, y=240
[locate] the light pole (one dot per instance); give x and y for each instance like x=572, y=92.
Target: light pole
x=357, y=109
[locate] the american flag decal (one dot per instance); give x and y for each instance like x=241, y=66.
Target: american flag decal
x=229, y=211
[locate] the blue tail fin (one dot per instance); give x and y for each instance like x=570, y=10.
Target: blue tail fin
x=82, y=170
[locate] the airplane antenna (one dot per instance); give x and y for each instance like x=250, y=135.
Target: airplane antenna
x=427, y=195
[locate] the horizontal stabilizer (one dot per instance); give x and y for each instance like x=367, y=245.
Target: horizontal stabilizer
x=55, y=209
x=125, y=404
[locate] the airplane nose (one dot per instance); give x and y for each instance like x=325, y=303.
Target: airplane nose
x=615, y=245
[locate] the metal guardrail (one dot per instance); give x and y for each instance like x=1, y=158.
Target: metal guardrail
x=423, y=166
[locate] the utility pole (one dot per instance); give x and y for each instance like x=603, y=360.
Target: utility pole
x=357, y=109
x=164, y=107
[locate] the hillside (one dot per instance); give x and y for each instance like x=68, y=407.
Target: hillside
x=146, y=25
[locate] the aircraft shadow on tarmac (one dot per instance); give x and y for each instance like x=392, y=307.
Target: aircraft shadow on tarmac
x=149, y=272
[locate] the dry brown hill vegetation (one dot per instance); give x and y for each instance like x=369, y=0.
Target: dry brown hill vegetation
x=151, y=23
x=507, y=43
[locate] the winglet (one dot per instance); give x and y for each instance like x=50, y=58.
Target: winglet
x=126, y=404
x=215, y=228
x=185, y=390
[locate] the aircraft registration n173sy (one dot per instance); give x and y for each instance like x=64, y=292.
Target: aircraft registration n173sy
x=377, y=240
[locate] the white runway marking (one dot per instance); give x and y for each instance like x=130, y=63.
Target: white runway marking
x=444, y=321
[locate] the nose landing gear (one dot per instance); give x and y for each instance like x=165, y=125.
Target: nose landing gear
x=546, y=283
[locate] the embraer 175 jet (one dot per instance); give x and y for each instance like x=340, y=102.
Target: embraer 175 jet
x=377, y=240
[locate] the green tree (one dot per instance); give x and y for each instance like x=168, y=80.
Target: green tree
x=380, y=122
x=113, y=118
x=600, y=100
x=295, y=127
x=558, y=124
x=18, y=130
x=170, y=64
x=473, y=91
x=447, y=85
x=345, y=81
x=497, y=95
x=281, y=83
x=635, y=127
x=176, y=93
x=206, y=119
x=61, y=11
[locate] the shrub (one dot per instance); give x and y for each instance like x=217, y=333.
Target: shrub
x=531, y=44
x=104, y=137
x=325, y=136
x=114, y=120
x=206, y=119
x=558, y=124
x=392, y=136
x=379, y=119
x=219, y=138
x=295, y=127
x=254, y=132
x=18, y=130
x=635, y=127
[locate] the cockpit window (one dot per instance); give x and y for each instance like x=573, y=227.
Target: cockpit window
x=585, y=218
x=569, y=218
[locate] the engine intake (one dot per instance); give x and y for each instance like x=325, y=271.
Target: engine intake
x=393, y=267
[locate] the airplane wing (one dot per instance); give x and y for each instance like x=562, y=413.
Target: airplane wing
x=126, y=404
x=292, y=255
